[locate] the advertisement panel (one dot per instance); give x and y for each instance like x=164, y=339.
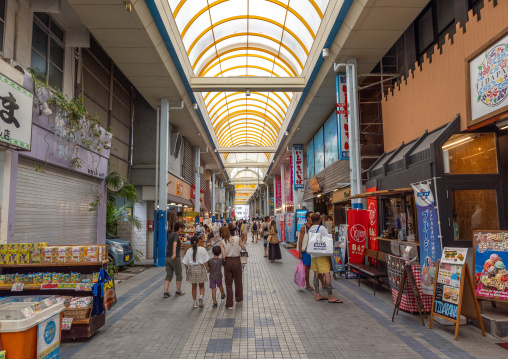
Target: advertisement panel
x=342, y=117
x=298, y=174
x=48, y=338
x=358, y=223
x=428, y=234
x=331, y=140
x=281, y=227
x=278, y=192
x=373, y=229
x=300, y=219
x=319, y=151
x=290, y=227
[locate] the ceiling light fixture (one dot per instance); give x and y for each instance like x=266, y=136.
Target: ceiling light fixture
x=195, y=106
x=502, y=125
x=247, y=92
x=457, y=142
x=128, y=6
x=286, y=133
x=326, y=53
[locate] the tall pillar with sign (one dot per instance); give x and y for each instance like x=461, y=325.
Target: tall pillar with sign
x=282, y=189
x=298, y=174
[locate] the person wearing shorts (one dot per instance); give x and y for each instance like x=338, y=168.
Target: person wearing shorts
x=254, y=229
x=173, y=260
x=215, y=265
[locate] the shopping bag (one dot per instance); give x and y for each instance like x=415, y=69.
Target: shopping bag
x=300, y=274
x=320, y=245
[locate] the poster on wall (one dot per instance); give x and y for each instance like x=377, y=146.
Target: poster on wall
x=298, y=174
x=16, y=114
x=319, y=151
x=290, y=227
x=488, y=79
x=428, y=234
x=278, y=192
x=179, y=188
x=300, y=219
x=490, y=261
x=310, y=159
x=331, y=140
x=373, y=231
x=281, y=227
x=358, y=222
x=342, y=117
x=338, y=260
x=48, y=338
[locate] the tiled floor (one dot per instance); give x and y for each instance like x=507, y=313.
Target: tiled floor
x=276, y=320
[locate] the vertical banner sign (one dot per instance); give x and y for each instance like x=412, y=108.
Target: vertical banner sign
x=373, y=234
x=280, y=227
x=298, y=167
x=289, y=182
x=358, y=223
x=48, y=338
x=290, y=227
x=428, y=234
x=342, y=117
x=278, y=192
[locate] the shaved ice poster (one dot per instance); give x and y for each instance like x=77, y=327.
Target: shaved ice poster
x=491, y=259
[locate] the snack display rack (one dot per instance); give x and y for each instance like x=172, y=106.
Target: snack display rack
x=83, y=326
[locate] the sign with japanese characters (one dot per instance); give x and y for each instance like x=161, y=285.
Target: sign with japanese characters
x=48, y=338
x=428, y=233
x=278, y=192
x=488, y=77
x=298, y=174
x=16, y=104
x=358, y=223
x=342, y=117
x=490, y=261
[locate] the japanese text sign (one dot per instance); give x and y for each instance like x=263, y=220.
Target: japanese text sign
x=298, y=176
x=358, y=223
x=342, y=116
x=16, y=105
x=278, y=192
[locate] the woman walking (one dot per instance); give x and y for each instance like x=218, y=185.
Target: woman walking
x=265, y=229
x=231, y=247
x=245, y=231
x=273, y=243
x=196, y=263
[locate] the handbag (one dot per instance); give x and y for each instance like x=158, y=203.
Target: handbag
x=305, y=240
x=320, y=245
x=273, y=239
x=300, y=274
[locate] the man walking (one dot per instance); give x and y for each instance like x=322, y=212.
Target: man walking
x=255, y=231
x=173, y=260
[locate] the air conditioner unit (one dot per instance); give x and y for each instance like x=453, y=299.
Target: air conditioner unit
x=14, y=64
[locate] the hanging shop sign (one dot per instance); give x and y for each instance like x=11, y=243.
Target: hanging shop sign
x=271, y=202
x=278, y=192
x=179, y=188
x=340, y=195
x=488, y=81
x=453, y=293
x=288, y=182
x=48, y=338
x=358, y=222
x=15, y=114
x=490, y=261
x=342, y=116
x=220, y=194
x=290, y=227
x=373, y=230
x=428, y=233
x=298, y=175
x=280, y=227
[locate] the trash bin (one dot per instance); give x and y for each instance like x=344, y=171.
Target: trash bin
x=20, y=321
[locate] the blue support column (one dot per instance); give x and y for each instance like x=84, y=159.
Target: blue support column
x=161, y=239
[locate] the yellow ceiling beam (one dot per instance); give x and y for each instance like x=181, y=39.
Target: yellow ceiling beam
x=275, y=125
x=217, y=57
x=238, y=129
x=250, y=99
x=233, y=121
x=246, y=67
x=221, y=61
x=251, y=96
x=246, y=106
x=243, y=139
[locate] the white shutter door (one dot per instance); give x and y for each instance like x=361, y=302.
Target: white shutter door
x=53, y=206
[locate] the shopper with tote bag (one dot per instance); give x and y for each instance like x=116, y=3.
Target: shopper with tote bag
x=273, y=243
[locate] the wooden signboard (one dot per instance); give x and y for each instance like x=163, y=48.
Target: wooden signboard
x=408, y=274
x=454, y=295
x=490, y=262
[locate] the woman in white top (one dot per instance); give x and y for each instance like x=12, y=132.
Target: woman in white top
x=231, y=247
x=196, y=264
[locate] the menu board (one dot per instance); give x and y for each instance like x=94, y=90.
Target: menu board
x=395, y=266
x=449, y=274
x=446, y=300
x=490, y=260
x=454, y=255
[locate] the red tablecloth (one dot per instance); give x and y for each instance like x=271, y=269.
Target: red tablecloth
x=408, y=302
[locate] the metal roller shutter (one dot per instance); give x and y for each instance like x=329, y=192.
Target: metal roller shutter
x=53, y=207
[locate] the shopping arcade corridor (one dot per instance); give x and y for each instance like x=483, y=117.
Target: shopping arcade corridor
x=276, y=320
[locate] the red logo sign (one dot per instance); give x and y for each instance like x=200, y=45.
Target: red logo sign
x=358, y=233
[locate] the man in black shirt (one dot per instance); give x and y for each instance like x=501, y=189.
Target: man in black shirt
x=173, y=260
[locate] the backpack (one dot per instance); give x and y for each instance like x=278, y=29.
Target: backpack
x=254, y=226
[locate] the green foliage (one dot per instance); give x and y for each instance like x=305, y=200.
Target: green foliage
x=137, y=257
x=112, y=267
x=119, y=186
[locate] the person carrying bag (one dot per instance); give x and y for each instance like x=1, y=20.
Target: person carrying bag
x=273, y=243
x=319, y=245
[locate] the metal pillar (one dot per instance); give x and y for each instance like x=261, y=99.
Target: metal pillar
x=267, y=202
x=197, y=181
x=282, y=189
x=213, y=197
x=221, y=205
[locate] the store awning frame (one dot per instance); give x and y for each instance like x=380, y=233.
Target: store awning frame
x=385, y=192
x=179, y=200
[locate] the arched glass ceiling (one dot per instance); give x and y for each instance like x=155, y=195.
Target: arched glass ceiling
x=269, y=38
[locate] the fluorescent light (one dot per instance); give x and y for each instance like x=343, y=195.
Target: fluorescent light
x=504, y=128
x=456, y=142
x=318, y=195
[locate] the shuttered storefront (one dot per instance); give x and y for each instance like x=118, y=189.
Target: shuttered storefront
x=53, y=206
x=188, y=163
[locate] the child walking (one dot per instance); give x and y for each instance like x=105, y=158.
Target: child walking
x=196, y=264
x=215, y=265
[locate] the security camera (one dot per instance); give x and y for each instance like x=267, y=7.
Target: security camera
x=326, y=53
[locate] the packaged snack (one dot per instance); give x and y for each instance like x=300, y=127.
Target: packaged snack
x=102, y=253
x=65, y=278
x=2, y=279
x=3, y=256
x=81, y=302
x=23, y=256
x=92, y=254
x=61, y=254
x=23, y=246
x=19, y=278
x=86, y=280
x=9, y=278
x=55, y=278
x=65, y=299
x=2, y=354
x=46, y=278
x=13, y=257
x=35, y=255
x=77, y=254
x=47, y=255
x=28, y=279
x=37, y=278
x=75, y=277
x=54, y=254
x=43, y=245
x=95, y=277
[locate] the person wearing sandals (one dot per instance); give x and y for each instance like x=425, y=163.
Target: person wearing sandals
x=173, y=260
x=302, y=249
x=215, y=264
x=321, y=265
x=265, y=228
x=230, y=247
x=273, y=245
x=196, y=264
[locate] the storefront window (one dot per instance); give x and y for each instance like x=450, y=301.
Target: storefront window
x=399, y=218
x=470, y=154
x=473, y=210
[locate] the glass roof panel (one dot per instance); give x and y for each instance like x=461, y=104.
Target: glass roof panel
x=268, y=38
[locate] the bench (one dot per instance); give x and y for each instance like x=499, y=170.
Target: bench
x=369, y=270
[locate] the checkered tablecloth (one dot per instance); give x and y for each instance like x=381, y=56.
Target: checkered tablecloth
x=408, y=302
